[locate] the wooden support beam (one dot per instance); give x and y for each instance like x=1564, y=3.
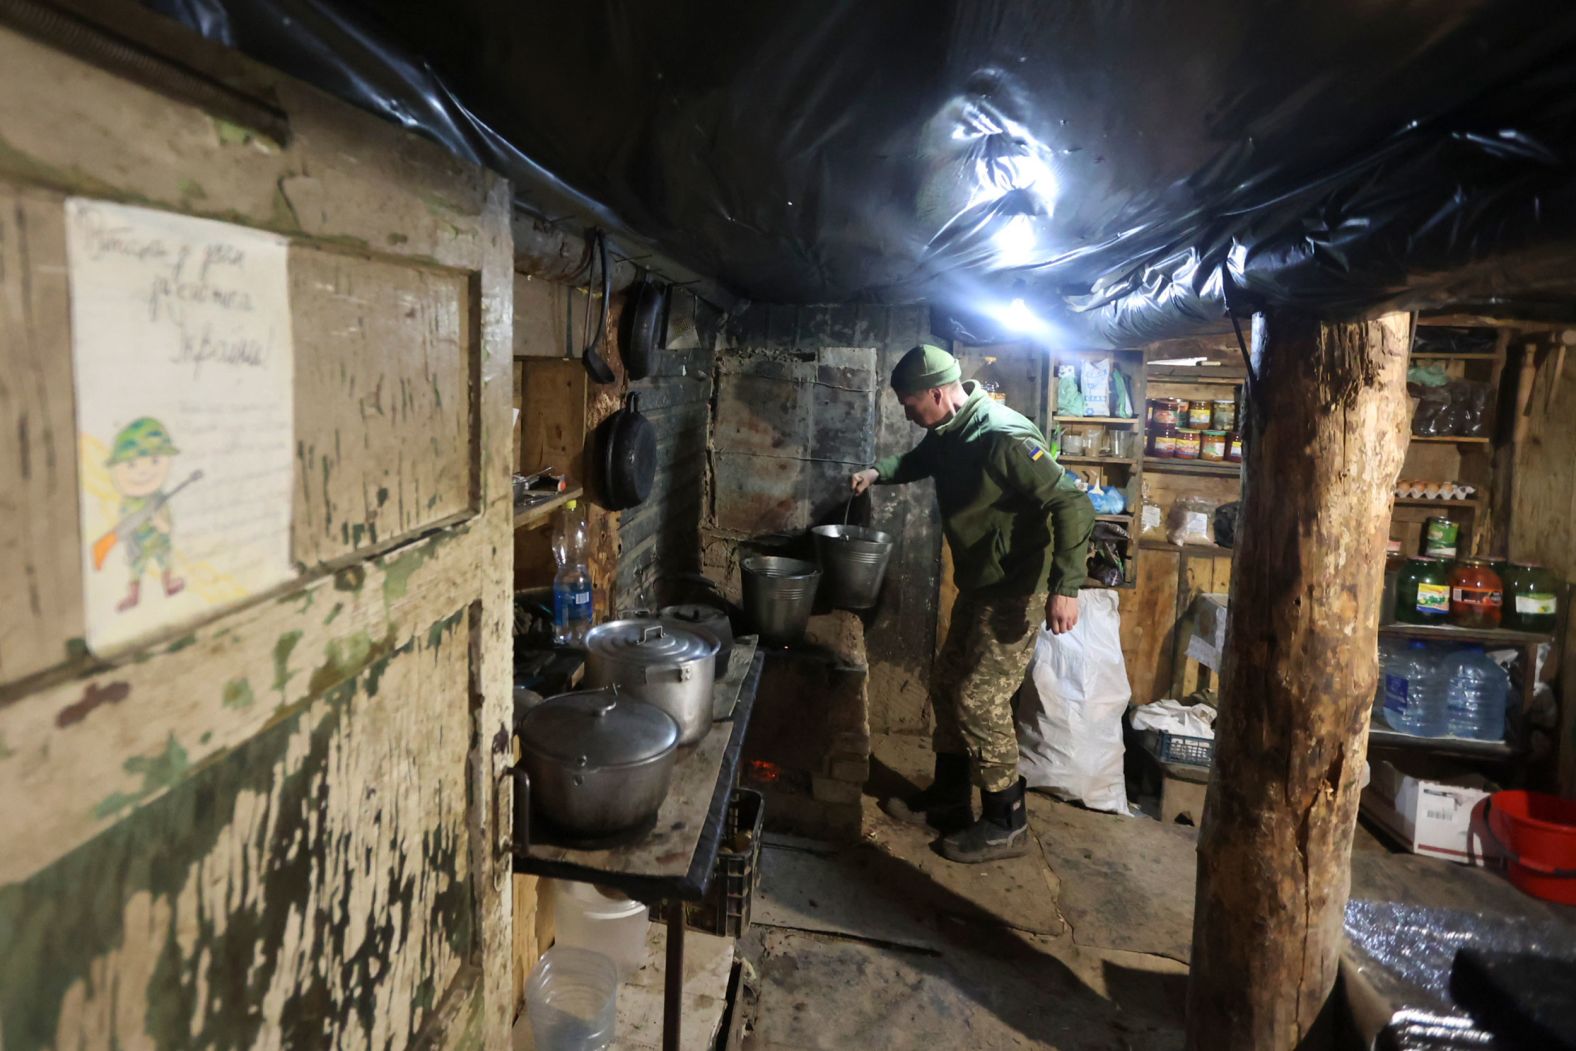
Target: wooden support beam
x=1323, y=452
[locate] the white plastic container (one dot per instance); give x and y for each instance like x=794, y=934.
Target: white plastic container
x=614, y=926
x=571, y=999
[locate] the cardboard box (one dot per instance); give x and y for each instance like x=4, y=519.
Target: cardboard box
x=1438, y=819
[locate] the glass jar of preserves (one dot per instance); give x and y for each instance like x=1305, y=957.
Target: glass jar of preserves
x=1162, y=441
x=1187, y=444
x=1212, y=446
x=1476, y=594
x=1440, y=537
x=1198, y=415
x=1422, y=591
x=1223, y=414
x=1531, y=598
x=1234, y=447
x=1166, y=412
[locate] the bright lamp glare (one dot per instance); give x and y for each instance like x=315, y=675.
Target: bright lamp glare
x=1017, y=316
x=1015, y=241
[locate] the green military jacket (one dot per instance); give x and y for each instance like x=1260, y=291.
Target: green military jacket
x=1015, y=521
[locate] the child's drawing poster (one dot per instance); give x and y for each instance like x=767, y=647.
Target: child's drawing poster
x=182, y=358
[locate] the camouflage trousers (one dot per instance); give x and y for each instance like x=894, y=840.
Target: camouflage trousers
x=976, y=675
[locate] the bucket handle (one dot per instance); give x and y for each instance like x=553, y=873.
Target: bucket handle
x=1541, y=869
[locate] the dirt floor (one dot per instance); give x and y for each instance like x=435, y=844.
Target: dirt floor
x=1081, y=945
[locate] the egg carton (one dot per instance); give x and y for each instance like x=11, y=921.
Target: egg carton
x=1444, y=492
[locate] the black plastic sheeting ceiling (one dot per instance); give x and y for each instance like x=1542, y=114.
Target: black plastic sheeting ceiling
x=1126, y=169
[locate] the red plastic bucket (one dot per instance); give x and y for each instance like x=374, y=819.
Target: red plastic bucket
x=1538, y=833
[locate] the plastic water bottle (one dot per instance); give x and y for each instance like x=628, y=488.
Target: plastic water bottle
x=1475, y=695
x=573, y=609
x=1390, y=651
x=1414, y=701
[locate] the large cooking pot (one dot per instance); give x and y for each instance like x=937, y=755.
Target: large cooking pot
x=599, y=762
x=708, y=619
x=663, y=663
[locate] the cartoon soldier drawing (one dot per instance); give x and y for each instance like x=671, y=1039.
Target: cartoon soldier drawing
x=139, y=465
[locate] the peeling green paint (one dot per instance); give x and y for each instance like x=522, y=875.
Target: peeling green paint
x=157, y=772
x=383, y=494
x=181, y=643
x=282, y=648
x=442, y=627
x=6, y=751
x=238, y=694
x=207, y=736
x=358, y=533
x=191, y=188
x=333, y=614
x=303, y=599
x=398, y=570
x=230, y=133
x=61, y=925
x=397, y=239
x=76, y=648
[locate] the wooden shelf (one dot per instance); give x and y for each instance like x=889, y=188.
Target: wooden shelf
x=1183, y=374
x=1455, y=355
x=1126, y=421
x=535, y=514
x=1097, y=461
x=1113, y=518
x=1461, y=746
x=1452, y=634
x=1192, y=466
x=1459, y=439
x=1191, y=549
x=1471, y=503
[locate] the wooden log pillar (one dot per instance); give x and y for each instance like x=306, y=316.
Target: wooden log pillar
x=1324, y=446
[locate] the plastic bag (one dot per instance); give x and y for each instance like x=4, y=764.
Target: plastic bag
x=1070, y=713
x=1069, y=401
x=1190, y=522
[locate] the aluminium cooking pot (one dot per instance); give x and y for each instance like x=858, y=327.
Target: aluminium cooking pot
x=599, y=763
x=708, y=619
x=661, y=662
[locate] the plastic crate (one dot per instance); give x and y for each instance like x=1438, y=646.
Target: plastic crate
x=1180, y=748
x=725, y=910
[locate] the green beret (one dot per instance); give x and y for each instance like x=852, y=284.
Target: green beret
x=144, y=436
x=924, y=367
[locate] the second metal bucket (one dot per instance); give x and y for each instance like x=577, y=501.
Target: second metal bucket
x=778, y=596
x=854, y=559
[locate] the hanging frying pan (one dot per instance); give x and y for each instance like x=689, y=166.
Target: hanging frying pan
x=643, y=340
x=629, y=456
x=591, y=357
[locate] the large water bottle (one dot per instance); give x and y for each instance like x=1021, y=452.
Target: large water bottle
x=1414, y=700
x=1390, y=651
x=1476, y=691
x=573, y=610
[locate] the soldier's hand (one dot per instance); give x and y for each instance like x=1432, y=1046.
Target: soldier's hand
x=1061, y=613
x=862, y=480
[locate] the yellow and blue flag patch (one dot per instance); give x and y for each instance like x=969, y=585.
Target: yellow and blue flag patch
x=1035, y=450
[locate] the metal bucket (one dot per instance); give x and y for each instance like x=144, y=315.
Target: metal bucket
x=778, y=596
x=854, y=559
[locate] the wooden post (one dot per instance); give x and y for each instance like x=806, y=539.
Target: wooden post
x=1325, y=442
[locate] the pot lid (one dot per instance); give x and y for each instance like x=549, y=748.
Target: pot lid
x=598, y=728
x=653, y=642
x=694, y=612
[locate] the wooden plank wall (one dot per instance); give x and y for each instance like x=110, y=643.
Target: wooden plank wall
x=1543, y=514
x=277, y=828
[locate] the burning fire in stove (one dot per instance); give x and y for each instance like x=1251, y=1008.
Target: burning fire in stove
x=765, y=772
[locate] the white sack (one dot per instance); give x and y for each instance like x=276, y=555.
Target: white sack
x=1189, y=720
x=1070, y=722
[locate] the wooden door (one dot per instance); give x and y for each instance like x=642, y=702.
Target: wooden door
x=278, y=826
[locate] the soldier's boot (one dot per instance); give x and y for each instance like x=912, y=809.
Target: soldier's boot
x=133, y=593
x=1001, y=832
x=945, y=804
x=173, y=583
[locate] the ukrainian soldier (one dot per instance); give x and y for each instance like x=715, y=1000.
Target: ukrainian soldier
x=139, y=465
x=1018, y=529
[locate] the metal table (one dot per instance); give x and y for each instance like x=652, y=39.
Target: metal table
x=674, y=861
